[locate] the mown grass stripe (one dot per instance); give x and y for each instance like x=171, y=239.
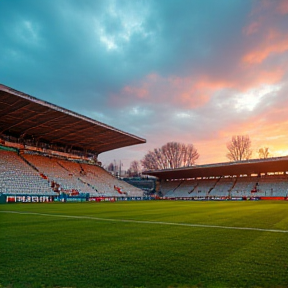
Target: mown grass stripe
x=148, y=222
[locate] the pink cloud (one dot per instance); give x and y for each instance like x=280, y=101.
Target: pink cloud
x=139, y=93
x=186, y=92
x=282, y=7
x=275, y=6
x=252, y=28
x=274, y=43
x=194, y=91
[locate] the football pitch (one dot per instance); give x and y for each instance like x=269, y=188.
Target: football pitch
x=144, y=244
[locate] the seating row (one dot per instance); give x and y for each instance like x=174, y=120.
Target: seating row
x=47, y=175
x=269, y=186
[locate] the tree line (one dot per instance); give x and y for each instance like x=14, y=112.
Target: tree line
x=175, y=155
x=240, y=149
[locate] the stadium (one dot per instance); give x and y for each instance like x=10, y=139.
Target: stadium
x=49, y=154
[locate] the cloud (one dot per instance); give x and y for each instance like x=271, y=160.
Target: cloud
x=273, y=43
x=282, y=7
x=252, y=28
x=175, y=91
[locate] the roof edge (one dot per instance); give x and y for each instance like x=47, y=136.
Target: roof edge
x=66, y=111
x=215, y=165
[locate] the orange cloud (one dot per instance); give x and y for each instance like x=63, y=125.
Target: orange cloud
x=253, y=78
x=274, y=43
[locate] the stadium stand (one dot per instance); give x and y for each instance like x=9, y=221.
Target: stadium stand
x=244, y=186
x=204, y=187
x=262, y=178
x=36, y=174
x=62, y=173
x=108, y=184
x=168, y=187
x=82, y=178
x=223, y=187
x=54, y=151
x=227, y=187
x=184, y=189
x=276, y=185
x=16, y=177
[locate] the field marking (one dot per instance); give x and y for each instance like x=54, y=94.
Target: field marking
x=148, y=222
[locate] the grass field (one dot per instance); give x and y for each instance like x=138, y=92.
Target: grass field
x=42, y=246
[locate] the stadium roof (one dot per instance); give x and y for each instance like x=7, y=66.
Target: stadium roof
x=22, y=114
x=248, y=167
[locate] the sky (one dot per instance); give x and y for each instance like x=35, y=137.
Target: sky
x=194, y=72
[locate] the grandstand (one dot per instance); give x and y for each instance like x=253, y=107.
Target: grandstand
x=50, y=153
x=257, y=179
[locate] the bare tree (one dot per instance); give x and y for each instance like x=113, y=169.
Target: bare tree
x=239, y=148
x=135, y=168
x=264, y=153
x=171, y=155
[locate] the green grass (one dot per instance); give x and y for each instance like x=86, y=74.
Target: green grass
x=44, y=251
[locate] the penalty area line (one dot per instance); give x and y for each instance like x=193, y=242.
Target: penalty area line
x=146, y=222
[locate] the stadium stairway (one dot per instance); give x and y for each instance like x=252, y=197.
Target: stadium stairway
x=192, y=190
x=63, y=167
x=178, y=186
x=214, y=185
x=88, y=184
x=27, y=162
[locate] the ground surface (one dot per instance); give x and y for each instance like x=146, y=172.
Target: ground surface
x=161, y=247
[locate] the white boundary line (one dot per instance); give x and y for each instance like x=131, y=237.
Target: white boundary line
x=147, y=222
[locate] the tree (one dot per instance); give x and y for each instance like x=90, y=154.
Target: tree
x=135, y=168
x=171, y=155
x=263, y=153
x=239, y=148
